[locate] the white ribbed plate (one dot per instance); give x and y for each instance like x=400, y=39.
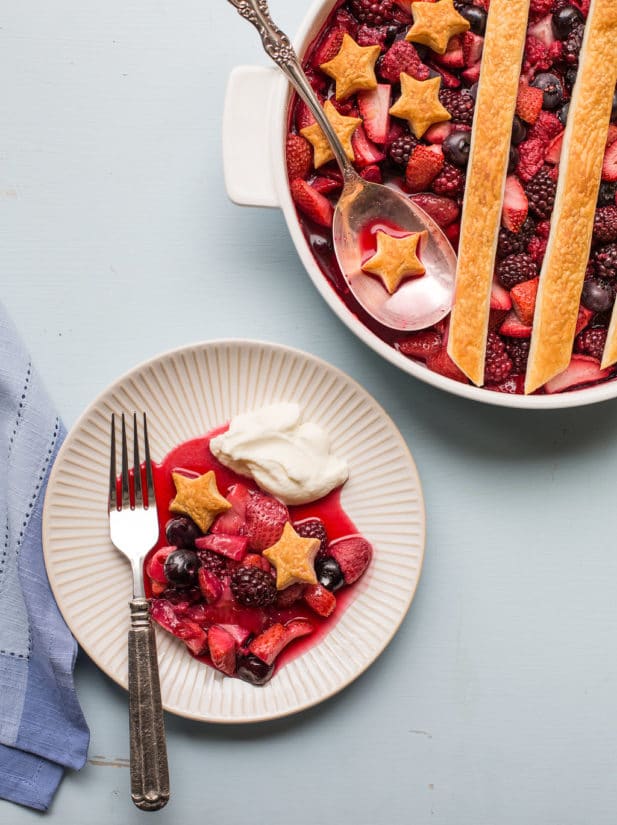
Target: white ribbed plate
x=186, y=393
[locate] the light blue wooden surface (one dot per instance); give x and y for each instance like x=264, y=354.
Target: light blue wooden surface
x=495, y=704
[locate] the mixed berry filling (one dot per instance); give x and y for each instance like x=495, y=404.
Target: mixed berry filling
x=226, y=587
x=431, y=169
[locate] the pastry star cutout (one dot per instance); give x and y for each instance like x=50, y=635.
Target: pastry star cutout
x=344, y=128
x=396, y=258
x=419, y=104
x=353, y=68
x=435, y=23
x=293, y=557
x=198, y=498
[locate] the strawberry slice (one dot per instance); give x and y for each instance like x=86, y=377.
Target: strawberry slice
x=515, y=205
x=425, y=163
x=320, y=600
x=365, y=151
x=313, y=204
x=543, y=30
x=473, y=46
x=374, y=108
x=222, y=647
x=329, y=47
x=444, y=211
x=299, y=156
x=609, y=167
x=269, y=644
x=472, y=74
x=453, y=57
x=612, y=135
x=233, y=521
x=529, y=103
x=553, y=150
x=210, y=585
x=448, y=80
x=325, y=185
x=442, y=363
x=421, y=345
x=524, y=300
x=353, y=554
x=155, y=568
x=514, y=327
x=438, y=132
x=232, y=547
x=500, y=297
x=584, y=317
x=583, y=369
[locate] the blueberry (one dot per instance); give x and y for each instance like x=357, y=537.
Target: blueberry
x=564, y=21
x=181, y=567
x=606, y=195
x=250, y=668
x=519, y=132
x=473, y=90
x=597, y=296
x=476, y=18
x=456, y=148
x=182, y=532
x=513, y=159
x=562, y=114
x=329, y=573
x=550, y=84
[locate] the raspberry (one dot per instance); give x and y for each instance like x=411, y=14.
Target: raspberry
x=518, y=350
x=450, y=181
x=498, y=364
x=541, y=7
x=515, y=269
x=313, y=528
x=536, y=56
x=402, y=57
x=591, y=341
x=536, y=249
x=459, y=104
x=540, y=193
x=253, y=587
x=605, y=224
x=572, y=45
x=605, y=261
x=368, y=11
x=401, y=149
x=213, y=562
x=531, y=158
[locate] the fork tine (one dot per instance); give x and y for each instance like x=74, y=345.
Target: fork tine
x=126, y=495
x=149, y=478
x=113, y=490
x=139, y=496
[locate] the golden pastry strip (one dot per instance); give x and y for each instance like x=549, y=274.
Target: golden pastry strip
x=567, y=253
x=488, y=163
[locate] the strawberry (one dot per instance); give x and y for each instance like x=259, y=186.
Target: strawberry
x=299, y=157
x=375, y=111
x=546, y=127
x=313, y=204
x=157, y=588
x=402, y=57
x=553, y=150
x=524, y=299
x=421, y=344
x=425, y=163
x=194, y=637
x=453, y=56
x=500, y=297
x=444, y=211
x=372, y=173
x=325, y=185
x=438, y=132
x=448, y=80
x=320, y=600
x=529, y=103
x=442, y=363
x=515, y=205
x=609, y=167
x=255, y=560
x=265, y=519
x=536, y=249
x=472, y=74
x=583, y=369
x=584, y=317
x=366, y=153
x=473, y=45
x=155, y=568
x=543, y=29
x=303, y=116
x=222, y=647
x=239, y=633
x=329, y=47
x=290, y=595
x=233, y=521
x=372, y=36
x=210, y=585
x=269, y=644
x=612, y=135
x=353, y=554
x=531, y=159
x=513, y=327
x=453, y=234
x=163, y=613
x=232, y=547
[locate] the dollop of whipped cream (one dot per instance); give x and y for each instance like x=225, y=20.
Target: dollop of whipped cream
x=288, y=458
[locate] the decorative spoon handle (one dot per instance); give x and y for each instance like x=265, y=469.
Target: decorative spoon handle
x=278, y=46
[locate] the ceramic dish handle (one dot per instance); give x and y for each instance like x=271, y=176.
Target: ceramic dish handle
x=247, y=136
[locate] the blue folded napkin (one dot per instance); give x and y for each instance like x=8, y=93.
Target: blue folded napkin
x=42, y=728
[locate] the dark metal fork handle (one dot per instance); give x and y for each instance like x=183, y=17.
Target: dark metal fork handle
x=149, y=771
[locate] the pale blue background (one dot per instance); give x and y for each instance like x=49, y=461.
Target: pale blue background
x=495, y=704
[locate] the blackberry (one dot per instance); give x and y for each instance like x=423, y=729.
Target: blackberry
x=511, y=243
x=515, y=269
x=572, y=44
x=606, y=195
x=518, y=350
x=540, y=193
x=450, y=181
x=605, y=224
x=401, y=149
x=605, y=261
x=459, y=104
x=213, y=562
x=591, y=341
x=252, y=587
x=371, y=12
x=498, y=365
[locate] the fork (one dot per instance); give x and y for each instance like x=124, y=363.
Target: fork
x=134, y=530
